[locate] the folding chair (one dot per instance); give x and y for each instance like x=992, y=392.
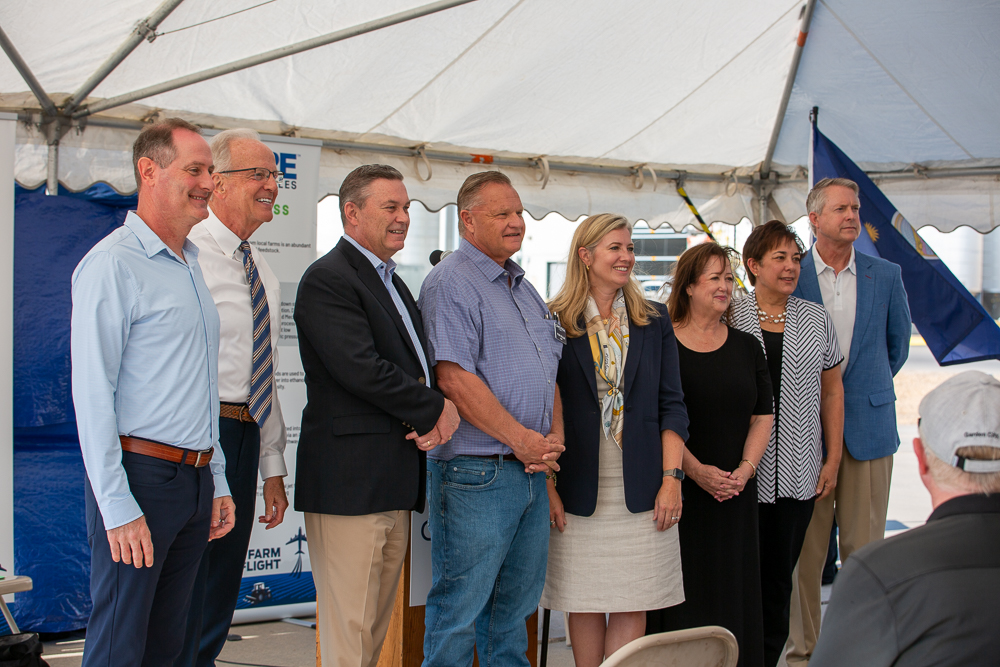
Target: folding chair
x=8, y=586
x=710, y=646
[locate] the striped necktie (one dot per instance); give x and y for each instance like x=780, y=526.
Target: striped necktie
x=259, y=401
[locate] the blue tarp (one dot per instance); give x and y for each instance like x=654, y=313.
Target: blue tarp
x=956, y=327
x=51, y=235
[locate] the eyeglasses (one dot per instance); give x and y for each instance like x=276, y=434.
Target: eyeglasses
x=259, y=173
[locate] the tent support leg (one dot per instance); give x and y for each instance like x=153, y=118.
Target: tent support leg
x=55, y=129
x=52, y=180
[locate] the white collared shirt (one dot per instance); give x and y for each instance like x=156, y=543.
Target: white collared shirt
x=840, y=297
x=222, y=264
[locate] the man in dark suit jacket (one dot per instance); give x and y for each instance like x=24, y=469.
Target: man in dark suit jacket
x=371, y=415
x=866, y=300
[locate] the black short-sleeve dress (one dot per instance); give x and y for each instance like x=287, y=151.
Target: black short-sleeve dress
x=719, y=552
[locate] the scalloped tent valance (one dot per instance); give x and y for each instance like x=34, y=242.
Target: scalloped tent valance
x=586, y=97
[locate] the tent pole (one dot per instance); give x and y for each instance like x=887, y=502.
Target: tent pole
x=52, y=169
x=765, y=166
x=25, y=72
x=268, y=56
x=145, y=29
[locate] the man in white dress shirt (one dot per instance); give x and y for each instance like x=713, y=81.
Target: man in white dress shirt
x=246, y=185
x=867, y=303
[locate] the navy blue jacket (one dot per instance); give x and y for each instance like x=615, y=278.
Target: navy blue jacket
x=654, y=402
x=365, y=391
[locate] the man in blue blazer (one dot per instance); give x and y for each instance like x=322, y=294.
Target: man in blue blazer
x=865, y=298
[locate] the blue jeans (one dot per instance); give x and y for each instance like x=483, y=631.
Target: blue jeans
x=489, y=526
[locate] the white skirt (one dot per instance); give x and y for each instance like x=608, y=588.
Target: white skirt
x=613, y=561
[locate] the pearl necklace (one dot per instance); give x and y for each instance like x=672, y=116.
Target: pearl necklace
x=773, y=319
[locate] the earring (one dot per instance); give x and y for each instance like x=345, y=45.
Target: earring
x=588, y=266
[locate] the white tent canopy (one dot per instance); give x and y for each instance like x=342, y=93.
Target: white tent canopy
x=583, y=96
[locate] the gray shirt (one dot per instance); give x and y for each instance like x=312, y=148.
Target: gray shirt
x=926, y=597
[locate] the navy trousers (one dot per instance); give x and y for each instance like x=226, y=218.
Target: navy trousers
x=218, y=582
x=138, y=615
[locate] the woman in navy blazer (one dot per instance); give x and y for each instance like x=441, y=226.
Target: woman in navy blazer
x=617, y=495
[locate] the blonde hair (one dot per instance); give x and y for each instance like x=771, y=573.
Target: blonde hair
x=571, y=300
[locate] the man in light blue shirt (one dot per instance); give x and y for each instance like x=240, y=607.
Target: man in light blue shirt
x=145, y=345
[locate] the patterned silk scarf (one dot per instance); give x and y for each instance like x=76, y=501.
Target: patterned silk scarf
x=609, y=347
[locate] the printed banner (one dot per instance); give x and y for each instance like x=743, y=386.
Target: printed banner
x=276, y=572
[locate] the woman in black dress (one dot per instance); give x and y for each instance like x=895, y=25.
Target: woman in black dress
x=727, y=390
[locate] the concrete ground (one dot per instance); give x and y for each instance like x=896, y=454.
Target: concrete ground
x=290, y=644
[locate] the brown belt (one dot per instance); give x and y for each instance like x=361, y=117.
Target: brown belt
x=158, y=450
x=234, y=411
x=506, y=457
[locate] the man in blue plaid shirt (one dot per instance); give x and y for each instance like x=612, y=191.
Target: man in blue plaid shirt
x=496, y=350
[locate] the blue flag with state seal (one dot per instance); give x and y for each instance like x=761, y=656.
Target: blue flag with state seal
x=956, y=327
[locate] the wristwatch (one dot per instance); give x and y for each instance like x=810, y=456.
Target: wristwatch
x=674, y=472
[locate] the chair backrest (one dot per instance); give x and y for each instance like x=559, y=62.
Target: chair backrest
x=710, y=646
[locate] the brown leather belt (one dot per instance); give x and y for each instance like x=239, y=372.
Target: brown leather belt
x=158, y=450
x=505, y=457
x=234, y=411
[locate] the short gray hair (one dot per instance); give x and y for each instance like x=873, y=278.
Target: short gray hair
x=816, y=200
x=222, y=146
x=956, y=479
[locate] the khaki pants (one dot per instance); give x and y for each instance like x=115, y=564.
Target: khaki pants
x=860, y=501
x=356, y=563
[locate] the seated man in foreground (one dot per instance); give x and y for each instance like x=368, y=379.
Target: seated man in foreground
x=928, y=596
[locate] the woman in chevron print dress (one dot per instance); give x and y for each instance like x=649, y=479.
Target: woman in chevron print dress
x=803, y=358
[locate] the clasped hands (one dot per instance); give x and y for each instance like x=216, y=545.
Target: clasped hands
x=720, y=484
x=538, y=453
x=445, y=427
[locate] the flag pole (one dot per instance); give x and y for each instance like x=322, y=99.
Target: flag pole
x=813, y=120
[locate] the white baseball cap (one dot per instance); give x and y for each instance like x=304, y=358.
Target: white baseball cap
x=963, y=411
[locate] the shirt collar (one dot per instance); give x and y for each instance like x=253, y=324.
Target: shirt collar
x=491, y=269
x=382, y=267
x=975, y=503
x=150, y=242
x=226, y=238
x=822, y=266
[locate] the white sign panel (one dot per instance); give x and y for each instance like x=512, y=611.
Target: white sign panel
x=420, y=558
x=276, y=573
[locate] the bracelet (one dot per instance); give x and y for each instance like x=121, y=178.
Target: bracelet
x=754, y=473
x=552, y=476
